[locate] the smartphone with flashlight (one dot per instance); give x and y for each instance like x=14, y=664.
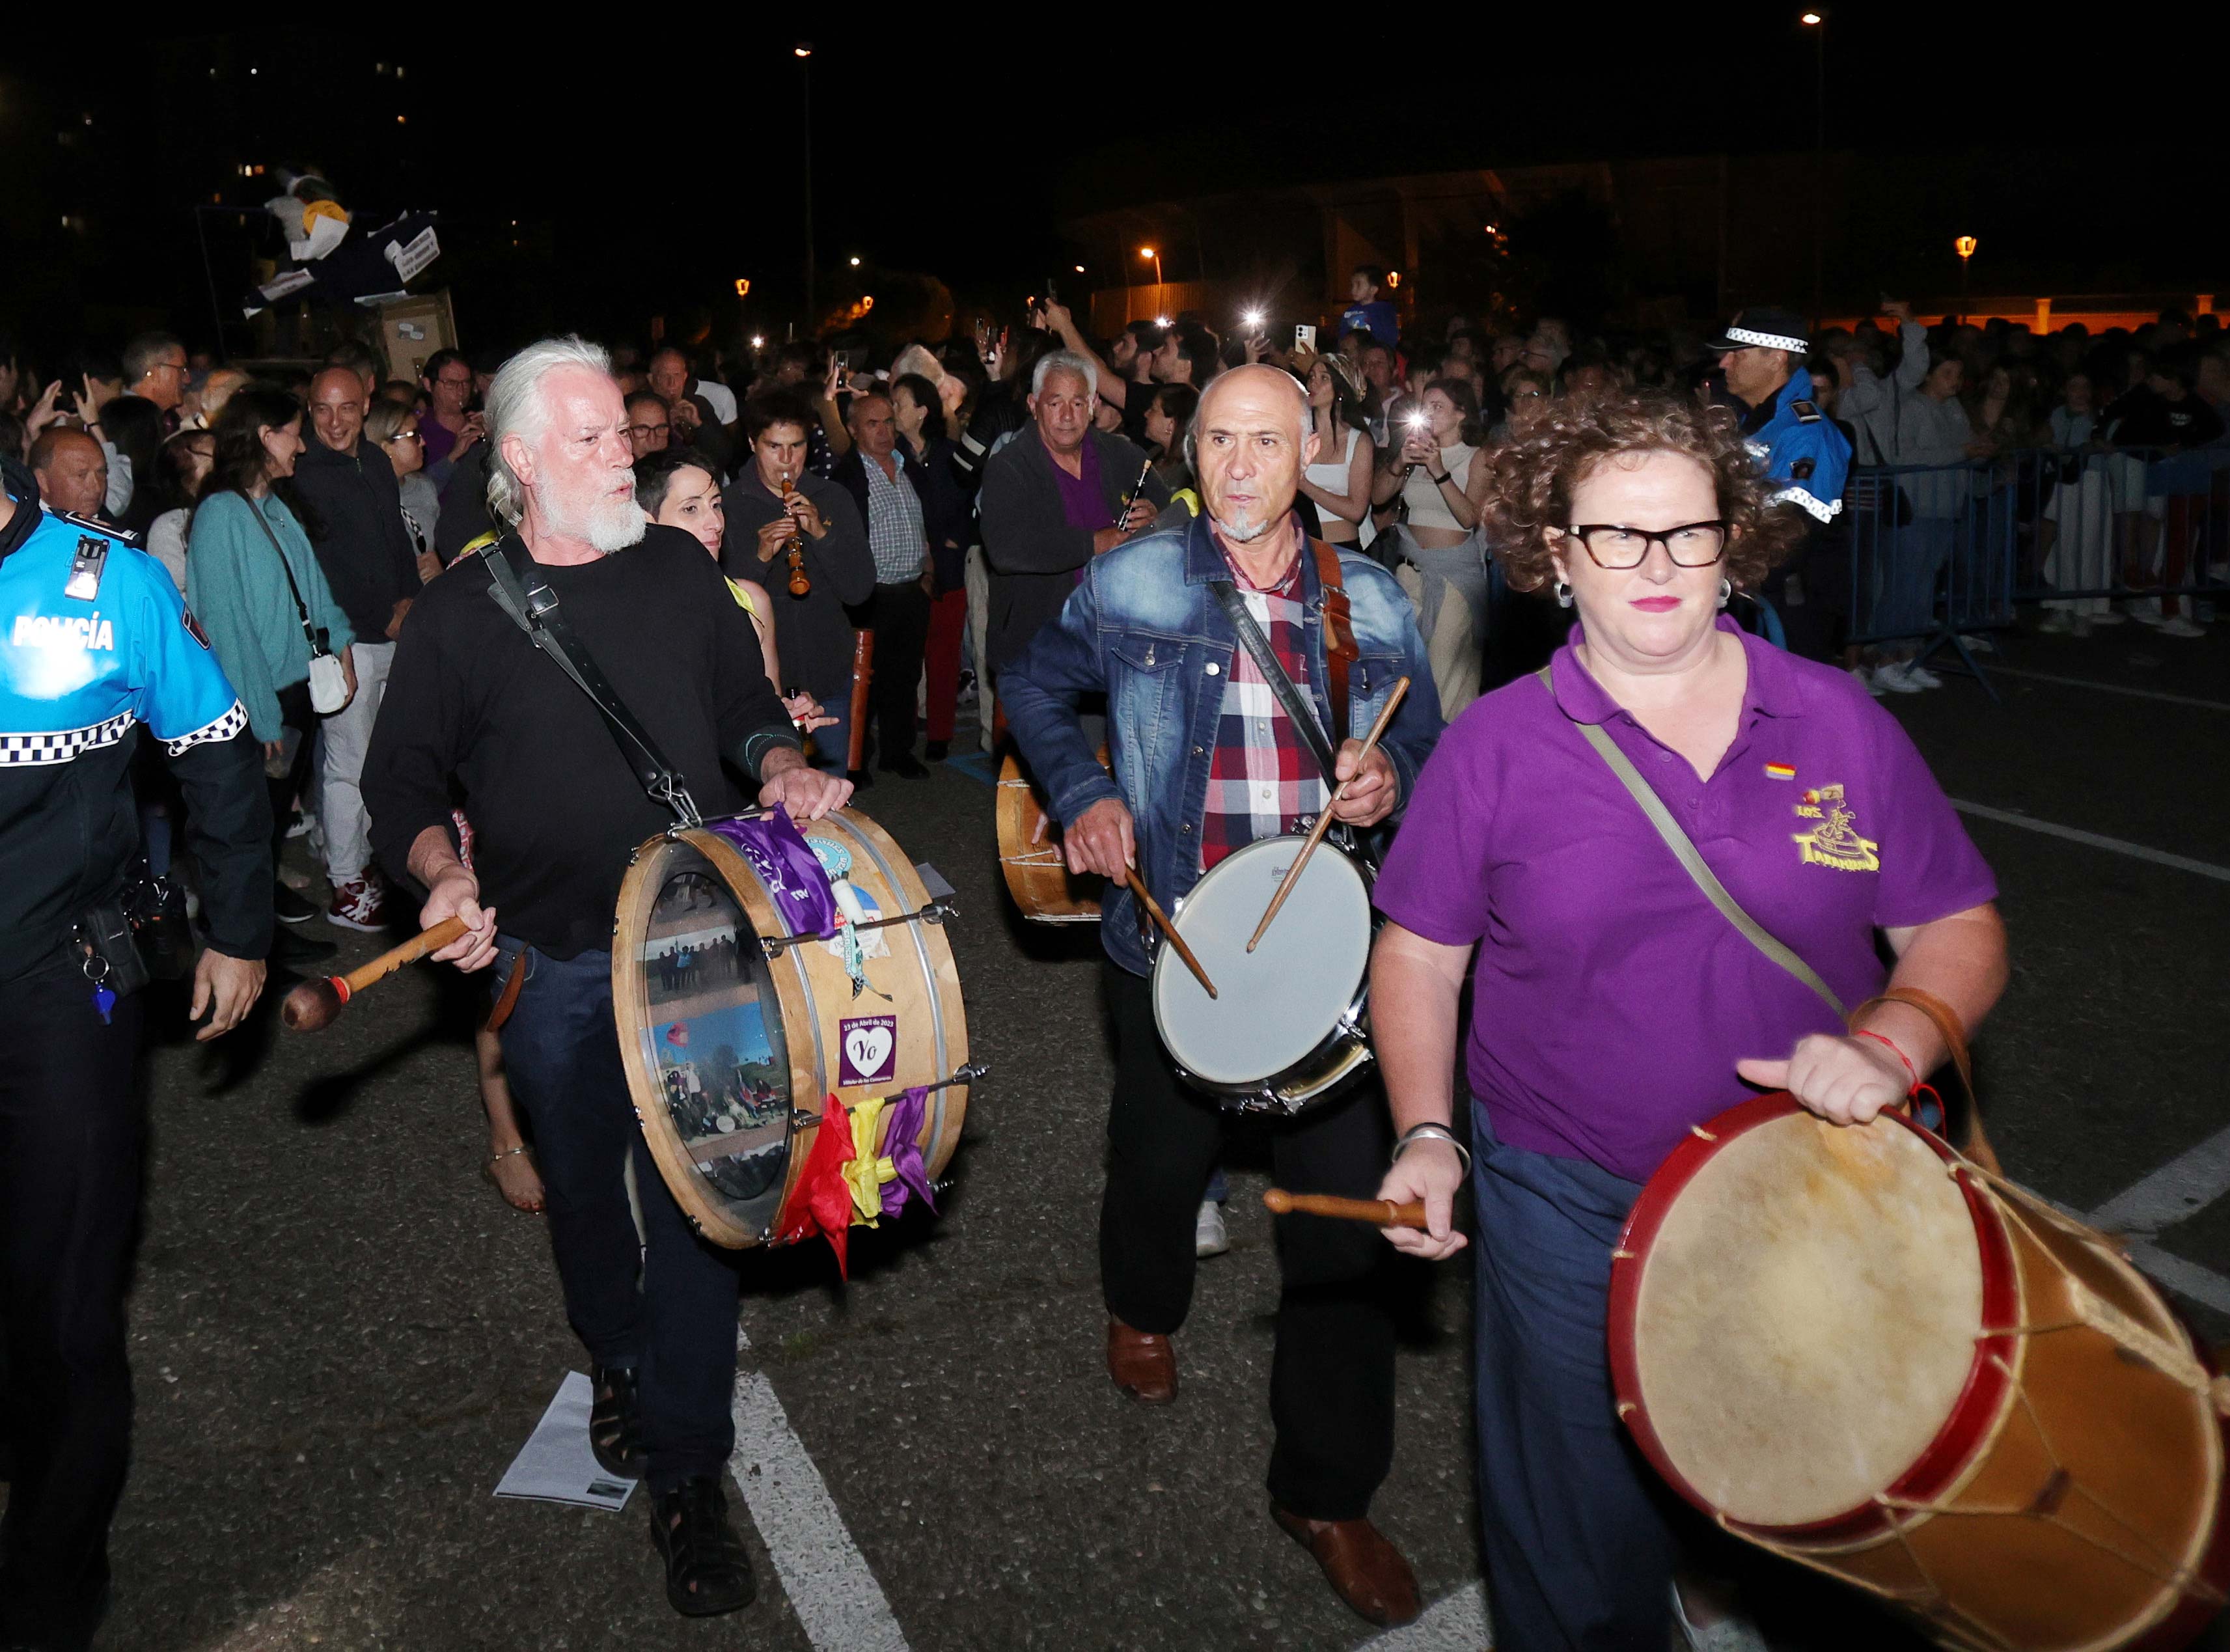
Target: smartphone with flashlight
x=1305, y=338
x=1053, y=293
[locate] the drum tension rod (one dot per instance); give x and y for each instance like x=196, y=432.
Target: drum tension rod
x=967, y=1074
x=935, y=913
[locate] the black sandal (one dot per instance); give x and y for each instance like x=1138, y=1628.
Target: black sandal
x=615, y=1422
x=708, y=1570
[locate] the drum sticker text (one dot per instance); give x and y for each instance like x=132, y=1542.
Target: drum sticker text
x=1835, y=841
x=868, y=1050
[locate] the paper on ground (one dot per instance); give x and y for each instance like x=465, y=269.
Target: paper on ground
x=557, y=1465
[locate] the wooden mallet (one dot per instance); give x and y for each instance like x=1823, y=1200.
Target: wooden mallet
x=317, y=1004
x=1324, y=820
x=1380, y=1213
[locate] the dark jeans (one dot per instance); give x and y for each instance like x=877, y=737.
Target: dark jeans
x=1579, y=1550
x=1331, y=1380
x=664, y=1303
x=72, y=1128
x=901, y=624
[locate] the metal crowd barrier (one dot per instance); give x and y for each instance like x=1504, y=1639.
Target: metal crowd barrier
x=1937, y=552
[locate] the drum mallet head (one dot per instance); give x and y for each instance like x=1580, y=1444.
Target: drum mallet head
x=314, y=1004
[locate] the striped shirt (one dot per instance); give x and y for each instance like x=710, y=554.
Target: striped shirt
x=895, y=533
x=1262, y=780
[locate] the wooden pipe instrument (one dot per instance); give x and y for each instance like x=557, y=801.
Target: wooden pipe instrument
x=1380, y=1213
x=794, y=548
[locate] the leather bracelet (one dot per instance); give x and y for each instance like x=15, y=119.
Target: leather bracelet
x=1900, y=1055
x=1430, y=1131
x=1442, y=480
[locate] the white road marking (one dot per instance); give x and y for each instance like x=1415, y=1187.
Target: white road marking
x=826, y=1577
x=2138, y=851
x=1455, y=1623
x=2183, y=1187
x=2110, y=688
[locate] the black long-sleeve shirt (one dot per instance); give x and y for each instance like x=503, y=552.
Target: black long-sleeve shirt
x=356, y=527
x=811, y=633
x=477, y=718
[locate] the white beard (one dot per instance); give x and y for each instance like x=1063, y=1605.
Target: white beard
x=608, y=523
x=1244, y=529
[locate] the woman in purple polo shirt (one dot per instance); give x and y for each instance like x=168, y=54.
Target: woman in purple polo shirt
x=1612, y=1005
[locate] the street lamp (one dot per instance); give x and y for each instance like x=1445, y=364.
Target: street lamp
x=803, y=52
x=1149, y=251
x=1964, y=246
x=855, y=261
x=1817, y=23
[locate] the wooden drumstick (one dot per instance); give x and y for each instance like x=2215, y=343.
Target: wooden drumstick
x=316, y=1004
x=1380, y=1213
x=1324, y=820
x=1169, y=930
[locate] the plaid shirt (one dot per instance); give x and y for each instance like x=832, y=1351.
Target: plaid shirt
x=1263, y=781
x=895, y=534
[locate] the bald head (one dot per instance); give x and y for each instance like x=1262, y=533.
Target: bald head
x=72, y=472
x=216, y=390
x=668, y=372
x=337, y=405
x=1251, y=438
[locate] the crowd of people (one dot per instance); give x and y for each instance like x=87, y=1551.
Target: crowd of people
x=323, y=536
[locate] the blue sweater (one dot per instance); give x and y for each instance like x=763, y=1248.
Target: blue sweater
x=237, y=588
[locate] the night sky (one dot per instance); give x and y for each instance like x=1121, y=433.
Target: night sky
x=629, y=170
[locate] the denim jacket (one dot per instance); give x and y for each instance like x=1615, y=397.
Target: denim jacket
x=1143, y=629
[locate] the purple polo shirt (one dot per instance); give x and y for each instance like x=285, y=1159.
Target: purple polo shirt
x=1081, y=501
x=1610, y=999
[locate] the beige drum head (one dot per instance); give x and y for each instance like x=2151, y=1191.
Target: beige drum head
x=1806, y=1318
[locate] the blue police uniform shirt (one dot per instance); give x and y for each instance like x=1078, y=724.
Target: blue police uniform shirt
x=1799, y=448
x=77, y=673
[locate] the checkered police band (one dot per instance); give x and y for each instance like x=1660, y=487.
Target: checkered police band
x=1766, y=340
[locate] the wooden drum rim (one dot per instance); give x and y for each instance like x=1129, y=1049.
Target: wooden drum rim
x=1976, y=1416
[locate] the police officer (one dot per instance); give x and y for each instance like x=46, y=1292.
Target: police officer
x=1762, y=354
x=94, y=642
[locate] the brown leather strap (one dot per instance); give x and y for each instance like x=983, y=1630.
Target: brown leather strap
x=1976, y=1145
x=1340, y=651
x=507, y=1000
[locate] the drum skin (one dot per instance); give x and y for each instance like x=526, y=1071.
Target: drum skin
x=913, y=973
x=1037, y=875
x=2070, y=1493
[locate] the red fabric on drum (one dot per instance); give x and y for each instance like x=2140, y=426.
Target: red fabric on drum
x=822, y=1201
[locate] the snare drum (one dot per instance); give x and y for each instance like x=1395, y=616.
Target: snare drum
x=735, y=1031
x=1289, y=1026
x=1030, y=856
x=1849, y=1347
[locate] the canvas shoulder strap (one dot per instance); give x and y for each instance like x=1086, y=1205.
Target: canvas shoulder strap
x=517, y=584
x=1692, y=860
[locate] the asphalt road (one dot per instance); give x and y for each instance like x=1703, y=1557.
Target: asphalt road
x=341, y=1335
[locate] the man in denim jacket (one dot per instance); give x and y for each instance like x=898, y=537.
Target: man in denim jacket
x=1205, y=760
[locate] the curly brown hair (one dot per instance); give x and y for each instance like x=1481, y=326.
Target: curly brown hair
x=1531, y=479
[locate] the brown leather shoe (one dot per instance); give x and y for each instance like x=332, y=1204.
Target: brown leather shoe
x=1144, y=1366
x=1363, y=1569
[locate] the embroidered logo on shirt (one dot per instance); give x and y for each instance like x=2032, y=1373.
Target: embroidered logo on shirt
x=1781, y=772
x=1834, y=841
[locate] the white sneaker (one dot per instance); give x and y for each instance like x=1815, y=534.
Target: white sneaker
x=1977, y=644
x=1923, y=676
x=1894, y=679
x=1733, y=1633
x=1209, y=1237
x=1859, y=673
x=2056, y=622
x=2176, y=625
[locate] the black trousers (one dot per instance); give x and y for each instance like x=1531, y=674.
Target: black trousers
x=72, y=1130
x=1332, y=1379
x=901, y=624
x=665, y=1304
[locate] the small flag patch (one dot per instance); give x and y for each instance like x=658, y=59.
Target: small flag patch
x=1781, y=772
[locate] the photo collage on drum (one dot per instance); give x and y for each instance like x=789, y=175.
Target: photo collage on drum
x=726, y=1090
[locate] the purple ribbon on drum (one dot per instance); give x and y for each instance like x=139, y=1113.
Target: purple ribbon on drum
x=787, y=866
x=902, y=1126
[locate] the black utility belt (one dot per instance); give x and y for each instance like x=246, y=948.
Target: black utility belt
x=137, y=936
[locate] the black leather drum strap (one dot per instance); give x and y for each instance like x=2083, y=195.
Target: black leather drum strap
x=1265, y=660
x=518, y=585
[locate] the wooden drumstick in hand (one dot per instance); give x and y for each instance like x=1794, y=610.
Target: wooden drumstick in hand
x=1324, y=820
x=315, y=1003
x=1380, y=1213
x=1169, y=930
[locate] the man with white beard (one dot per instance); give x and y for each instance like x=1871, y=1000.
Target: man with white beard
x=1212, y=760
x=475, y=712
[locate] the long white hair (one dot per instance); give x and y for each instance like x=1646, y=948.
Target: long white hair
x=516, y=406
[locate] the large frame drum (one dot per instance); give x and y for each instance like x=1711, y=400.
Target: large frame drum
x=1030, y=857
x=734, y=1032
x=1852, y=1347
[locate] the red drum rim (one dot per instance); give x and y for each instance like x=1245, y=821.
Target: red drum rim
x=1990, y=1376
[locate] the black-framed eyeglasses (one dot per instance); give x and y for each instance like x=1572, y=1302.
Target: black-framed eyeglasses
x=1613, y=545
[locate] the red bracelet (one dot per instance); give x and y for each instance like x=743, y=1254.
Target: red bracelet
x=1899, y=1053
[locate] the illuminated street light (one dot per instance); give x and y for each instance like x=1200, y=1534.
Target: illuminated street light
x=758, y=341
x=743, y=286
x=1079, y=270
x=802, y=51
x=1964, y=246
x=855, y=261
x=1811, y=20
